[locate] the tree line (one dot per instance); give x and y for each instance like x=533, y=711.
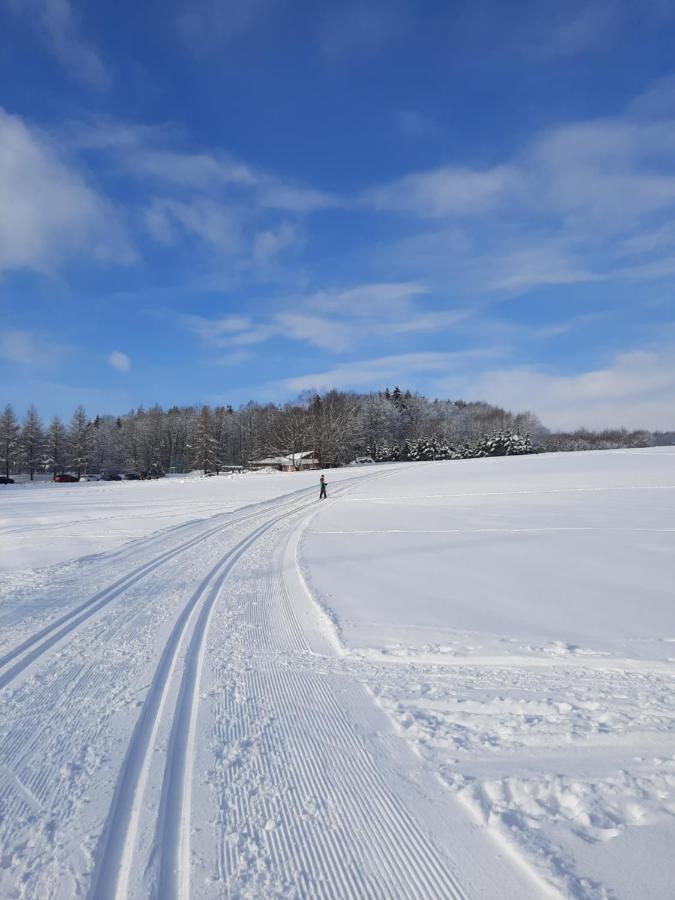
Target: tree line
x=338, y=426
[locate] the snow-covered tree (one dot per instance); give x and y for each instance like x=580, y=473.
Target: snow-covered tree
x=56, y=446
x=32, y=441
x=9, y=440
x=204, y=445
x=80, y=440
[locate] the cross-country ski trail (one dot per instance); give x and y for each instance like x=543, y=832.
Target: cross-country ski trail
x=192, y=729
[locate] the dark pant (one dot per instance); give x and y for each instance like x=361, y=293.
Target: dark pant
x=323, y=494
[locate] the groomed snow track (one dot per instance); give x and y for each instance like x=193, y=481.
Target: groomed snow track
x=252, y=766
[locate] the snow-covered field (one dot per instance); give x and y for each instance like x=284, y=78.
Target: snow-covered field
x=449, y=680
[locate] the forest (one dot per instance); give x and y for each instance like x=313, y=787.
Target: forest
x=338, y=426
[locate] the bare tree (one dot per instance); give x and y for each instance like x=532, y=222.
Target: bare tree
x=9, y=440
x=80, y=439
x=32, y=441
x=56, y=446
x=204, y=446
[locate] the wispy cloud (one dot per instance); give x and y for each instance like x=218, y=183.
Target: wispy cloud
x=270, y=242
x=119, y=361
x=334, y=320
x=168, y=220
x=446, y=191
x=142, y=153
x=635, y=388
x=57, y=24
x=370, y=373
x=207, y=195
x=28, y=349
x=48, y=211
x=581, y=202
x=374, y=298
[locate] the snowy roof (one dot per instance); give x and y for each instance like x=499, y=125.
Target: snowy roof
x=292, y=459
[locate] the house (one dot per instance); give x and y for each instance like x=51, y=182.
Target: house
x=290, y=463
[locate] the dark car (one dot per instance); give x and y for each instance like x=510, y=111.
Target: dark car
x=132, y=476
x=152, y=472
x=112, y=476
x=5, y=480
x=66, y=478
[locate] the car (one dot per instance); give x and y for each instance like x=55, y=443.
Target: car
x=5, y=480
x=112, y=476
x=90, y=477
x=132, y=476
x=362, y=461
x=65, y=478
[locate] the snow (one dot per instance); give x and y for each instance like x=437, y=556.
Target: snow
x=45, y=523
x=558, y=554
x=527, y=606
x=450, y=679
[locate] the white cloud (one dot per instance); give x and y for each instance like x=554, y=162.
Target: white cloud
x=272, y=241
x=232, y=207
x=119, y=361
x=375, y=372
x=57, y=24
x=196, y=170
x=636, y=389
x=378, y=298
x=230, y=331
x=140, y=154
x=168, y=220
x=581, y=202
x=27, y=349
x=320, y=331
x=336, y=320
x=48, y=212
x=215, y=329
x=426, y=321
x=446, y=191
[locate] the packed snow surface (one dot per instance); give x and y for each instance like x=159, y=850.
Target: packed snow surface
x=448, y=680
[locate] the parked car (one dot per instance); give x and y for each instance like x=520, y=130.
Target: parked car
x=132, y=476
x=153, y=472
x=362, y=461
x=112, y=476
x=65, y=478
x=5, y=480
x=90, y=477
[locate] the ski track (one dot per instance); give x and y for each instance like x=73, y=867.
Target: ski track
x=299, y=800
x=38, y=643
x=171, y=853
x=113, y=867
x=301, y=797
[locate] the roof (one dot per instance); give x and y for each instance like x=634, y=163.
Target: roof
x=292, y=459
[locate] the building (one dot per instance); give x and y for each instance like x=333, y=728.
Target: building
x=293, y=462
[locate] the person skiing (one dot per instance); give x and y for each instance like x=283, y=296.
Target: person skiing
x=322, y=494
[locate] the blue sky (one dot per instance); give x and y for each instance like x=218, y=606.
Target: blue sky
x=208, y=201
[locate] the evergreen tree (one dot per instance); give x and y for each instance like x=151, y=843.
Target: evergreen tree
x=80, y=439
x=397, y=398
x=204, y=445
x=9, y=440
x=55, y=446
x=32, y=441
